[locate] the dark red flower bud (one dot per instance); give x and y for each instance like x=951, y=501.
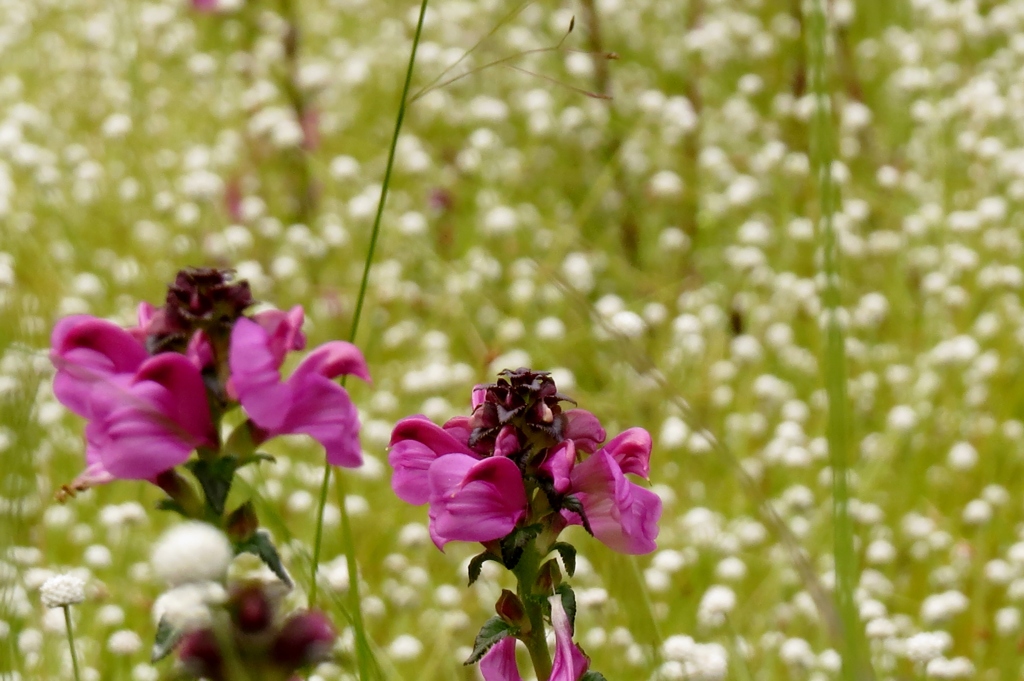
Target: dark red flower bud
x=251, y=609
x=306, y=638
x=511, y=609
x=206, y=298
x=200, y=655
x=524, y=399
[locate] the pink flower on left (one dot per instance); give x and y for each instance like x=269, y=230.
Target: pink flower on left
x=146, y=414
x=155, y=393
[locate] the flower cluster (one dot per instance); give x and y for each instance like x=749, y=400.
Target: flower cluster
x=226, y=632
x=255, y=635
x=156, y=393
x=153, y=394
x=512, y=476
x=519, y=460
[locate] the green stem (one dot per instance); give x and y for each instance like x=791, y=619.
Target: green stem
x=856, y=665
x=355, y=601
x=360, y=300
x=375, y=233
x=71, y=641
x=536, y=640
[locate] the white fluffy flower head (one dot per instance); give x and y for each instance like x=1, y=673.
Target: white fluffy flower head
x=62, y=590
x=192, y=552
x=190, y=606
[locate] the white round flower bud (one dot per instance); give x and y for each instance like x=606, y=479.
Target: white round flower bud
x=188, y=607
x=62, y=590
x=192, y=552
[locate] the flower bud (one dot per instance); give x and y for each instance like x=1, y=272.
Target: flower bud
x=548, y=578
x=242, y=523
x=306, y=638
x=200, y=655
x=511, y=609
x=251, y=609
x=180, y=492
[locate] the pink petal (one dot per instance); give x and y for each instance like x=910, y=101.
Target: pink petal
x=333, y=359
x=415, y=443
x=323, y=410
x=309, y=402
x=474, y=500
x=144, y=313
x=559, y=464
x=459, y=428
x=186, y=393
x=632, y=451
x=584, y=429
x=507, y=442
x=86, y=351
x=284, y=331
x=153, y=424
x=255, y=376
x=623, y=515
x=199, y=350
x=94, y=473
x=569, y=662
x=499, y=664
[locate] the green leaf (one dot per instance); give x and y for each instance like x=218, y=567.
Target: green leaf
x=568, y=553
x=593, y=676
x=215, y=477
x=240, y=444
x=166, y=640
x=568, y=602
x=167, y=504
x=493, y=631
x=477, y=564
x=513, y=544
x=260, y=546
x=572, y=503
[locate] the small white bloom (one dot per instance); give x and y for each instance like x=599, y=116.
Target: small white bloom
x=927, y=645
x=405, y=647
x=61, y=590
x=192, y=552
x=962, y=456
x=124, y=642
x=187, y=607
x=715, y=606
x=1007, y=621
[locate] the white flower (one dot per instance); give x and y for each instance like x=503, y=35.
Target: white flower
x=124, y=642
x=192, y=552
x=187, y=607
x=62, y=590
x=718, y=601
x=927, y=645
x=405, y=647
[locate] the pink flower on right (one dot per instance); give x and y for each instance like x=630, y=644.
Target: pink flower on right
x=478, y=473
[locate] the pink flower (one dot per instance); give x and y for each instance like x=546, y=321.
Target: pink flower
x=416, y=443
x=309, y=401
x=631, y=449
x=145, y=414
x=568, y=664
x=559, y=464
x=474, y=500
x=499, y=664
x=88, y=352
x=623, y=515
x=584, y=429
x=146, y=423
